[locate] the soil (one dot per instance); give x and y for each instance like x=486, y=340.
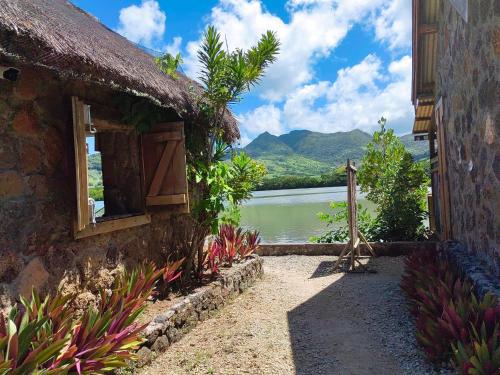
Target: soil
x=302, y=319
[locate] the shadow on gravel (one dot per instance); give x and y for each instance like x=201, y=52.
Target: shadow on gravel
x=323, y=269
x=328, y=333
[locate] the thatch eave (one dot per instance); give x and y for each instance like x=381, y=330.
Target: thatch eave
x=57, y=35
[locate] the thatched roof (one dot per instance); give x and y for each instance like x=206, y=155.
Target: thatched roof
x=59, y=35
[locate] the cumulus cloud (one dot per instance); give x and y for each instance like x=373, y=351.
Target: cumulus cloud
x=315, y=28
x=264, y=118
x=393, y=24
x=143, y=24
x=292, y=96
x=174, y=47
x=359, y=96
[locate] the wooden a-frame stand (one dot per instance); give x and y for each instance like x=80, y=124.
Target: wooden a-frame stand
x=351, y=252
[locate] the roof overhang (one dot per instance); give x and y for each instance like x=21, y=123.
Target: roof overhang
x=424, y=109
x=424, y=33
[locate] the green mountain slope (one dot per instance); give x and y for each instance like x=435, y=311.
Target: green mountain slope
x=267, y=143
x=307, y=153
x=419, y=149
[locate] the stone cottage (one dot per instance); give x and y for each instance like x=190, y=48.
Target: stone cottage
x=456, y=60
x=71, y=88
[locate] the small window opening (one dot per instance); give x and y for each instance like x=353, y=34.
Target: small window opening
x=95, y=184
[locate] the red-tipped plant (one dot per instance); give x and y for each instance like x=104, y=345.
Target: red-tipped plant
x=251, y=243
x=34, y=334
x=171, y=271
x=213, y=257
x=231, y=240
x=450, y=319
x=104, y=338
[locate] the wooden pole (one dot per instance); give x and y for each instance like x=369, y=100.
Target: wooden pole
x=352, y=250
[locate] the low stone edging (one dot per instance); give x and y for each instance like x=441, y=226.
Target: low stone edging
x=179, y=319
x=470, y=266
x=334, y=249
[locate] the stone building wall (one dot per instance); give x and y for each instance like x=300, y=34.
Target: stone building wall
x=468, y=81
x=38, y=200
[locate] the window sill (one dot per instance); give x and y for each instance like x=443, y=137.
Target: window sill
x=113, y=225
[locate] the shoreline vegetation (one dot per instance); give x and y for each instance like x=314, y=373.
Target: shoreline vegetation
x=334, y=179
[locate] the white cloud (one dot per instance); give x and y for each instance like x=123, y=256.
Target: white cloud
x=292, y=98
x=356, y=100
x=263, y=118
x=315, y=28
x=393, y=24
x=143, y=24
x=174, y=47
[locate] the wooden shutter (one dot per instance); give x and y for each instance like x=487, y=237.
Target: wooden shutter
x=80, y=146
x=164, y=158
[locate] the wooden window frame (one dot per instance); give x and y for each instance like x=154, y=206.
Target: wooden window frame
x=82, y=226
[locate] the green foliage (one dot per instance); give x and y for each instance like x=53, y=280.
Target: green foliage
x=281, y=165
x=337, y=220
x=229, y=184
x=231, y=215
x=96, y=193
x=169, y=64
x=228, y=75
x=397, y=184
x=334, y=178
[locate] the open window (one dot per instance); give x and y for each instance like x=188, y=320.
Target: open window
x=121, y=175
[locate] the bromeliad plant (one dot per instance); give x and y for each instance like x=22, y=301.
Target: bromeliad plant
x=451, y=321
x=33, y=334
x=42, y=337
x=230, y=244
x=252, y=242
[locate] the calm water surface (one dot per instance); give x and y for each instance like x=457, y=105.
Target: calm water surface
x=290, y=215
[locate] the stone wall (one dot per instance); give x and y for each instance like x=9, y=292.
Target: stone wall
x=38, y=200
x=468, y=81
x=172, y=324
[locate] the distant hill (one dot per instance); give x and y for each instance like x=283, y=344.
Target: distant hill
x=307, y=153
x=419, y=149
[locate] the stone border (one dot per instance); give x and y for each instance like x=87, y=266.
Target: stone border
x=334, y=249
x=179, y=319
x=471, y=267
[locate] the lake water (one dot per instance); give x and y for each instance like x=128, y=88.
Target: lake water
x=290, y=215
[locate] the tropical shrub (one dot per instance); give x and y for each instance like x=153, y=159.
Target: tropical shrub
x=34, y=334
x=451, y=322
x=44, y=338
x=213, y=257
x=396, y=184
x=337, y=224
x=251, y=243
x=231, y=244
x=171, y=271
x=225, y=76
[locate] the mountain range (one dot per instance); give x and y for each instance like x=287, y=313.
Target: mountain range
x=308, y=153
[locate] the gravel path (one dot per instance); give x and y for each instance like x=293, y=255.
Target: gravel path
x=301, y=319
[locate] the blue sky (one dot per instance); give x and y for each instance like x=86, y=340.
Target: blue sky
x=343, y=63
